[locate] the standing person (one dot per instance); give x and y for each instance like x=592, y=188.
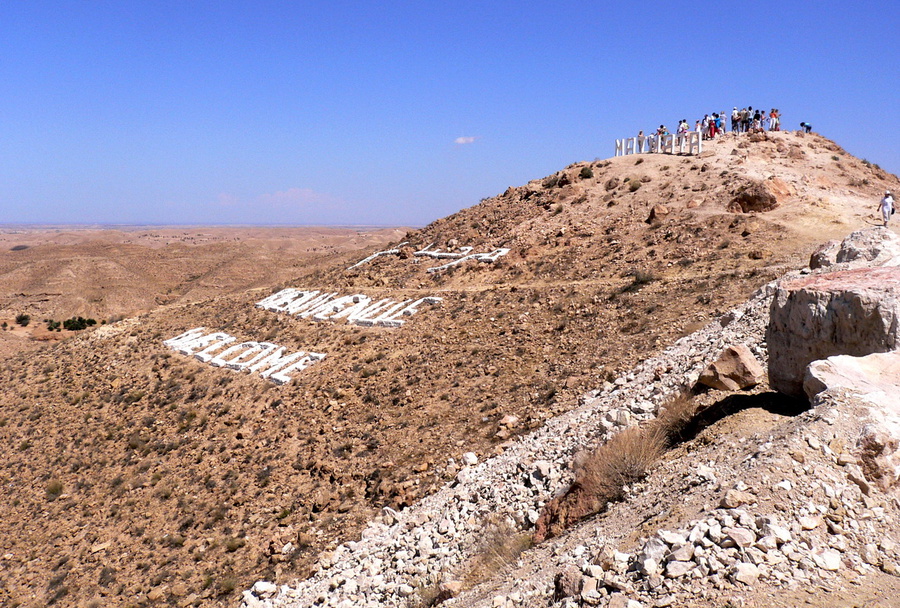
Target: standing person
x=735, y=120
x=745, y=120
x=886, y=206
x=773, y=120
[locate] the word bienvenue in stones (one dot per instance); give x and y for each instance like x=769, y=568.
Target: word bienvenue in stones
x=358, y=309
x=464, y=254
x=266, y=358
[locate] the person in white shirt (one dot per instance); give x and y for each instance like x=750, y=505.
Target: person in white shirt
x=886, y=206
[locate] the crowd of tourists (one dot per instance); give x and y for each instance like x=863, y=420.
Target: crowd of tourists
x=745, y=120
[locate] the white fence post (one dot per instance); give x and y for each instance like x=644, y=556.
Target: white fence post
x=673, y=143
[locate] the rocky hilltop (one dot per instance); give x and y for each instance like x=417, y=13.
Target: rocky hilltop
x=137, y=474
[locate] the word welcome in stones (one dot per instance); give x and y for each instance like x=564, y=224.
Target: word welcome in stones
x=219, y=350
x=358, y=309
x=673, y=143
x=464, y=254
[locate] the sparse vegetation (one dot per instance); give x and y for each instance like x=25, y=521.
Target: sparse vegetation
x=153, y=448
x=500, y=545
x=604, y=474
x=53, y=488
x=586, y=173
x=78, y=323
x=23, y=319
x=639, y=278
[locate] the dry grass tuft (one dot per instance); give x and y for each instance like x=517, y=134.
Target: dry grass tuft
x=623, y=460
x=500, y=545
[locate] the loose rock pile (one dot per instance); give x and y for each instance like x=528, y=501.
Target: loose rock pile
x=814, y=515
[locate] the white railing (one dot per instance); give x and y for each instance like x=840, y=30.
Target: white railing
x=674, y=143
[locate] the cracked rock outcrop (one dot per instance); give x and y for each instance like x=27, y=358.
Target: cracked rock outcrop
x=852, y=312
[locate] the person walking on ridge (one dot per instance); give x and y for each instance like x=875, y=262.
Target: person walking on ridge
x=886, y=206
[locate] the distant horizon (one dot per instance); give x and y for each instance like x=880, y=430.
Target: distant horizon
x=105, y=225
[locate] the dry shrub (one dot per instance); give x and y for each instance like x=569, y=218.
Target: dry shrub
x=500, y=545
x=674, y=418
x=621, y=461
x=624, y=459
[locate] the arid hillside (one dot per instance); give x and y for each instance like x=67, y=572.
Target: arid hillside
x=136, y=476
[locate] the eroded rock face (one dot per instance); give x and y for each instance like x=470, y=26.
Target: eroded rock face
x=825, y=255
x=734, y=370
x=852, y=312
x=875, y=379
x=761, y=196
x=874, y=247
x=877, y=376
x=755, y=198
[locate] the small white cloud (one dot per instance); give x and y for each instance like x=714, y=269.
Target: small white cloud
x=464, y=140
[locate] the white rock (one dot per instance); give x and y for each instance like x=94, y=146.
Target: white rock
x=676, y=569
x=871, y=555
x=470, y=459
x=672, y=538
x=745, y=573
x=810, y=522
x=827, y=559
x=684, y=553
x=741, y=536
x=264, y=589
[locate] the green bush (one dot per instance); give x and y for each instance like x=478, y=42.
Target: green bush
x=586, y=173
x=23, y=319
x=78, y=323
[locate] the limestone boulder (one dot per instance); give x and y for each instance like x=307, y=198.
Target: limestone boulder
x=734, y=370
x=852, y=312
x=825, y=255
x=877, y=376
x=871, y=384
x=872, y=247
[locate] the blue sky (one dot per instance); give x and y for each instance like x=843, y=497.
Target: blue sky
x=342, y=112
